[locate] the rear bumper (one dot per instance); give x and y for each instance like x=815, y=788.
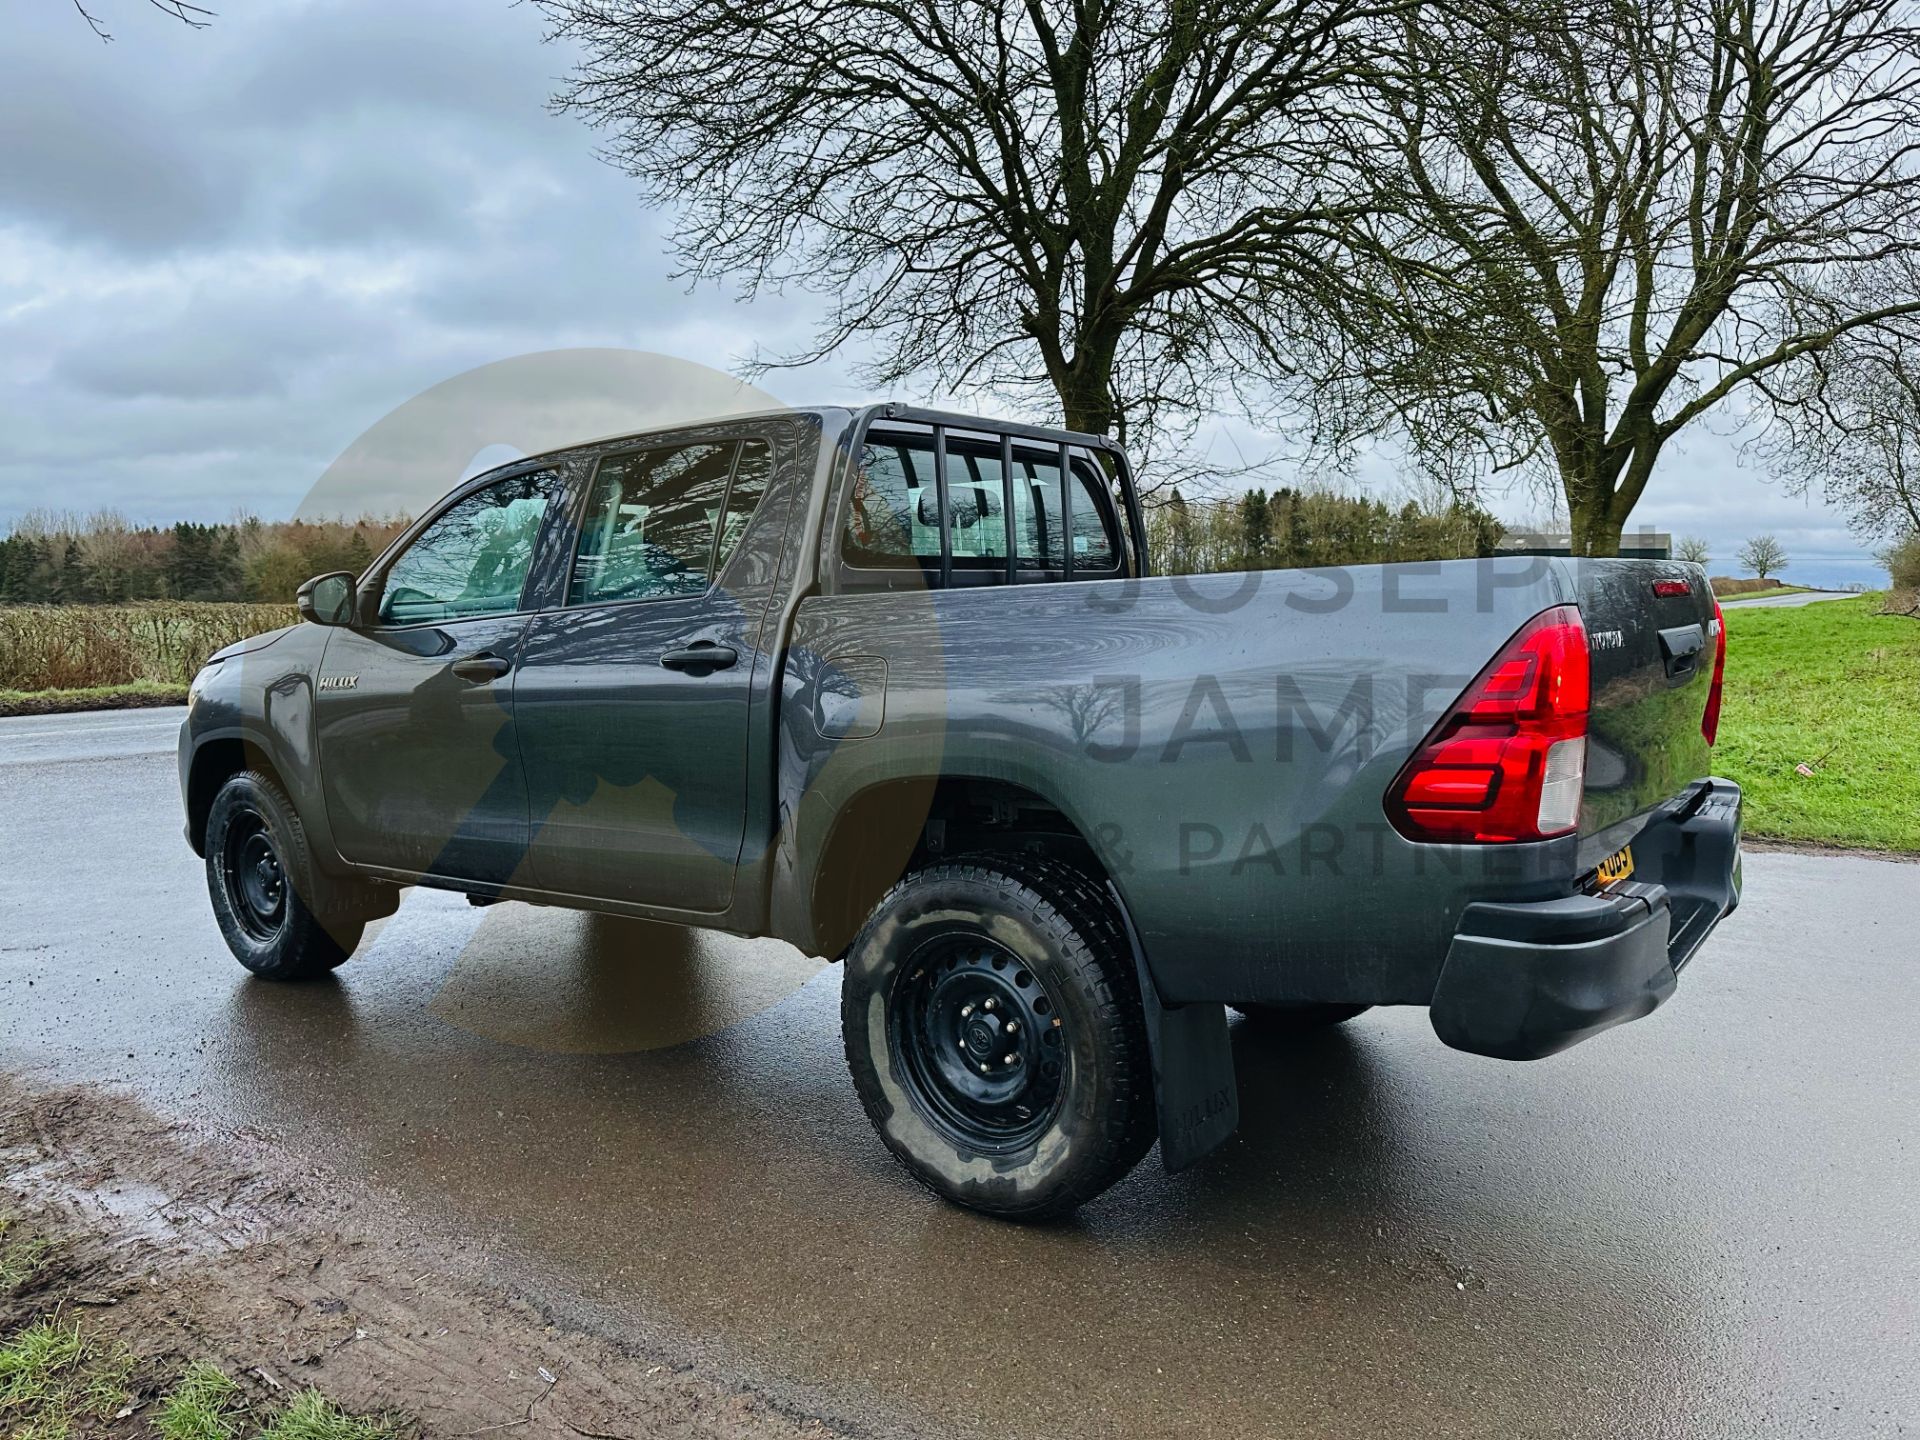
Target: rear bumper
x=1522, y=981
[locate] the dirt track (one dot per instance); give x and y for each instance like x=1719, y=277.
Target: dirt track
x=287, y=1277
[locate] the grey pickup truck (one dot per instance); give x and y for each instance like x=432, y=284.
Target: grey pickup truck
x=895, y=685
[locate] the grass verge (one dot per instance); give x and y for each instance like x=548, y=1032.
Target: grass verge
x=22, y=1256
x=1834, y=688
x=57, y=1383
x=62, y=1380
x=101, y=697
x=205, y=1405
x=208, y=1405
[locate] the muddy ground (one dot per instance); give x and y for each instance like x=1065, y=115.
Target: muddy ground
x=226, y=1249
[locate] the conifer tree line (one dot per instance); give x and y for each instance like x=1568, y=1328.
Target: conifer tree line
x=1290, y=528
x=101, y=559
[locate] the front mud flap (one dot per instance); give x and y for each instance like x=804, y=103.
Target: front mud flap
x=1194, y=1088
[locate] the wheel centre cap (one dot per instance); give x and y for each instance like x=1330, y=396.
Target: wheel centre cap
x=982, y=1036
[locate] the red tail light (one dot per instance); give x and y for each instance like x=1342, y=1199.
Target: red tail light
x=1710, y=722
x=1509, y=760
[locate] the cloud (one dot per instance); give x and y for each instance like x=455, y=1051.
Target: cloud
x=226, y=253
x=101, y=165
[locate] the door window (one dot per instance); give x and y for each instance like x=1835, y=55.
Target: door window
x=750, y=474
x=473, y=559
x=654, y=520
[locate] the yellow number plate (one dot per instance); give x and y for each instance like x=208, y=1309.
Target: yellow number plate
x=1615, y=868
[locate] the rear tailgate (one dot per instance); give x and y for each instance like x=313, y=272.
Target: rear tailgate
x=1652, y=655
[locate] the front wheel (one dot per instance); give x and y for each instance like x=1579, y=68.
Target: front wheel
x=993, y=1029
x=282, y=919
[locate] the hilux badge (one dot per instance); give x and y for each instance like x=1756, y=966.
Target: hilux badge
x=339, y=682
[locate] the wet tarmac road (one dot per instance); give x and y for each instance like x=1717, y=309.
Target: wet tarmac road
x=1787, y=602
x=1700, y=1225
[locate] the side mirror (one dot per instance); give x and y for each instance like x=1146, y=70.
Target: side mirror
x=327, y=599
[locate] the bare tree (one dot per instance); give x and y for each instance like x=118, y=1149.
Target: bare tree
x=1693, y=550
x=192, y=16
x=1763, y=555
x=1121, y=212
x=1860, y=443
x=1628, y=215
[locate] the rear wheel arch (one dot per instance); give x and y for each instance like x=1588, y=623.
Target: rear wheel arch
x=891, y=828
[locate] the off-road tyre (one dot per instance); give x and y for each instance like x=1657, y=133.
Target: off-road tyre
x=1067, y=980
x=281, y=917
x=1298, y=1019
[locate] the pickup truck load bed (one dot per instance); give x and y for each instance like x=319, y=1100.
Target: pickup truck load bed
x=897, y=686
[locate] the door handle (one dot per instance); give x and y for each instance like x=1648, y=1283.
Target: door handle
x=480, y=668
x=702, y=657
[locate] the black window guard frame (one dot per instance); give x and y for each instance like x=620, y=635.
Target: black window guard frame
x=940, y=422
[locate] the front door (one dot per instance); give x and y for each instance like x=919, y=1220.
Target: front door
x=414, y=714
x=632, y=700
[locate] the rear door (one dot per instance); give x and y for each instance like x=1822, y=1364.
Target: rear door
x=1651, y=638
x=633, y=699
x=414, y=713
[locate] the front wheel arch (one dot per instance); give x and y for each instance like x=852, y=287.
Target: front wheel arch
x=216, y=761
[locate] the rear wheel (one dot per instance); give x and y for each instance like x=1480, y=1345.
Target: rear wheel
x=994, y=1033
x=282, y=919
x=1299, y=1019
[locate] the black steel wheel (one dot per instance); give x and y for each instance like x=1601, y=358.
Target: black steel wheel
x=282, y=919
x=256, y=880
x=994, y=1033
x=980, y=1041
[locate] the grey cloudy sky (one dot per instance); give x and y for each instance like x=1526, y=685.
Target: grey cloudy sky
x=226, y=253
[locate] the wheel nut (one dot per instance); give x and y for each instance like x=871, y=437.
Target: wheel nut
x=1013, y=1057
x=1012, y=1025
x=966, y=1010
x=984, y=1069
x=987, y=1004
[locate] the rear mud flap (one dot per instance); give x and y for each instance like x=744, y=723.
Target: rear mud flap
x=1193, y=1081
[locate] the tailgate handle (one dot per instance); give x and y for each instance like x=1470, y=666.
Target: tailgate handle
x=1680, y=648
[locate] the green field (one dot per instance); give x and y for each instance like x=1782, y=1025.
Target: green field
x=1834, y=686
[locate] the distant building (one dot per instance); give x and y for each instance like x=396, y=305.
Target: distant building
x=1634, y=544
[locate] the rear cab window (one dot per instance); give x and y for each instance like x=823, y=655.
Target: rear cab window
x=891, y=521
